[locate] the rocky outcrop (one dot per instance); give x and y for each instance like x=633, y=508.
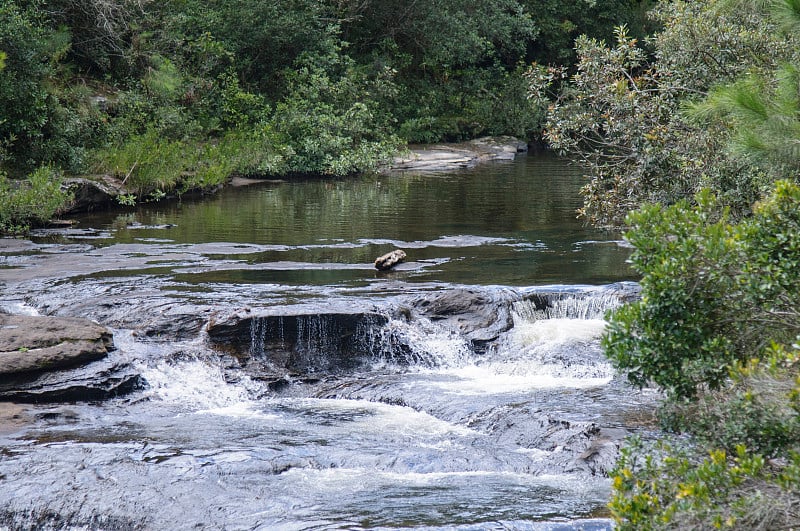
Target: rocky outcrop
x=32, y=343
x=45, y=359
x=477, y=315
x=99, y=380
x=448, y=157
x=302, y=343
x=92, y=193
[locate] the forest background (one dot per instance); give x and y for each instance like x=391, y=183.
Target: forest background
x=179, y=95
x=685, y=117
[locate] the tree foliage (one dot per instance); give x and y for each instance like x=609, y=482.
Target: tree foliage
x=714, y=293
x=718, y=322
x=621, y=115
x=715, y=328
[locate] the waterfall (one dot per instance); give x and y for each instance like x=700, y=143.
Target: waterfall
x=586, y=305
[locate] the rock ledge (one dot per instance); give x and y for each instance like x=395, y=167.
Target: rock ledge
x=448, y=157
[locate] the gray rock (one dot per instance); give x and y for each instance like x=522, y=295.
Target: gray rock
x=99, y=380
x=91, y=193
x=479, y=316
x=46, y=359
x=448, y=157
x=33, y=343
x=301, y=343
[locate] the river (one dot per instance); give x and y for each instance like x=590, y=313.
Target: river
x=419, y=420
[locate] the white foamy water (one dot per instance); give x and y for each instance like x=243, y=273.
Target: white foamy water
x=357, y=479
x=365, y=417
x=201, y=386
x=489, y=380
x=527, y=333
x=538, y=354
x=431, y=345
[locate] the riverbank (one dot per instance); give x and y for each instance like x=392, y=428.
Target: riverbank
x=101, y=191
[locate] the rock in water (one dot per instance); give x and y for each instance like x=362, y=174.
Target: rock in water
x=389, y=260
x=32, y=344
x=56, y=359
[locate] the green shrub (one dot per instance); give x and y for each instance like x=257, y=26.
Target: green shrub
x=758, y=409
x=30, y=202
x=146, y=162
x=332, y=118
x=714, y=293
x=741, y=469
x=668, y=486
x=681, y=334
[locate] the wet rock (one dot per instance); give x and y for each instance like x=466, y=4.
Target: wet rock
x=389, y=260
x=103, y=379
x=156, y=318
x=448, y=157
x=12, y=417
x=480, y=316
x=92, y=193
x=36, y=343
x=45, y=359
x=600, y=456
x=302, y=343
x=571, y=446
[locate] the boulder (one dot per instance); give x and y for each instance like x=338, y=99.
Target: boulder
x=46, y=359
x=480, y=316
x=389, y=260
x=36, y=343
x=91, y=193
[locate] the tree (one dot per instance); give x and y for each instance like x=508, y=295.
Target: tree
x=762, y=108
x=621, y=114
x=32, y=129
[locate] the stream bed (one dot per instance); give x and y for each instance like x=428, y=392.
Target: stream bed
x=285, y=384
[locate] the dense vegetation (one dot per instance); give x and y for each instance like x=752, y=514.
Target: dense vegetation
x=177, y=95
x=691, y=140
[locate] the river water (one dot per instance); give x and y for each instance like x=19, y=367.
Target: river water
x=447, y=432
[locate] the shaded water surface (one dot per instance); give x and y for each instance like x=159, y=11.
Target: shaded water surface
x=434, y=434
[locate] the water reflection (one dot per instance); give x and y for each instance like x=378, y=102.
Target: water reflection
x=504, y=223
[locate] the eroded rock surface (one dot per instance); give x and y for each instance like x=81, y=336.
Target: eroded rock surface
x=36, y=343
x=89, y=194
x=448, y=157
x=476, y=314
x=45, y=359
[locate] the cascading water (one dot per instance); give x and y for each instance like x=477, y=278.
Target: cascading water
x=289, y=386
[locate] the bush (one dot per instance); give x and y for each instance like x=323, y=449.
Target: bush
x=668, y=486
x=621, y=115
x=681, y=334
x=30, y=202
x=332, y=118
x=714, y=293
x=742, y=468
x=758, y=409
